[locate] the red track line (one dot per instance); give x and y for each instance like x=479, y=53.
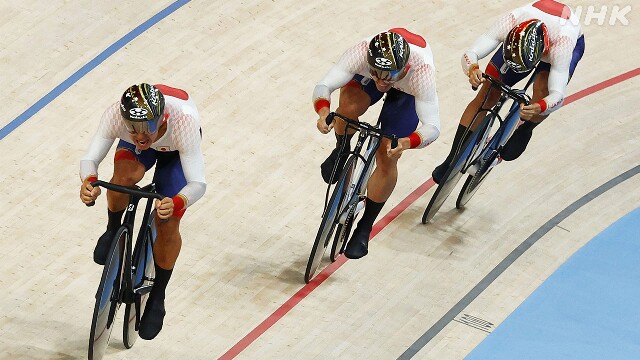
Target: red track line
x=379, y=226
x=322, y=276
x=603, y=85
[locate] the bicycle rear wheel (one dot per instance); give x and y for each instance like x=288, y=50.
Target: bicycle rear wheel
x=329, y=221
x=472, y=184
x=143, y=273
x=342, y=234
x=107, y=297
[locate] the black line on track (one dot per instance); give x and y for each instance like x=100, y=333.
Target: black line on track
x=510, y=259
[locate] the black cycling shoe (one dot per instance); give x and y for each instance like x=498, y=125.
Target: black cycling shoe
x=358, y=246
x=326, y=168
x=517, y=143
x=439, y=171
x=151, y=321
x=102, y=247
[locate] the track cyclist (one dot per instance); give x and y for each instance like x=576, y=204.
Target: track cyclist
x=156, y=125
x=543, y=38
x=395, y=63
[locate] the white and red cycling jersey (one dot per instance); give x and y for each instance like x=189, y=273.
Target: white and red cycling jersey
x=419, y=82
x=182, y=135
x=563, y=30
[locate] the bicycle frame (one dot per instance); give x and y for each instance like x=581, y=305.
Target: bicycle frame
x=341, y=208
x=480, y=149
x=122, y=281
x=129, y=218
x=507, y=125
x=358, y=181
x=363, y=170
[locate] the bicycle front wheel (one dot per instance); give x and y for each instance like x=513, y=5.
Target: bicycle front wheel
x=329, y=221
x=442, y=193
x=143, y=273
x=107, y=297
x=472, y=146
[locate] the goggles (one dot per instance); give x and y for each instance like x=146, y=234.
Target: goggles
x=388, y=76
x=143, y=127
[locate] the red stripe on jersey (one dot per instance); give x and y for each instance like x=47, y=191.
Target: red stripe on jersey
x=353, y=83
x=412, y=38
x=124, y=154
x=322, y=103
x=492, y=71
x=170, y=91
x=554, y=8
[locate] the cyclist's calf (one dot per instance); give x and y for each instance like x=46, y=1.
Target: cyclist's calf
x=168, y=243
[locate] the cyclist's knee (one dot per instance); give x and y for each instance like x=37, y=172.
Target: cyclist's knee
x=127, y=172
x=169, y=227
x=125, y=179
x=168, y=233
x=167, y=236
x=385, y=165
x=353, y=102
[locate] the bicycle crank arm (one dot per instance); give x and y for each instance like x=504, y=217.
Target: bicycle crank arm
x=359, y=207
x=143, y=289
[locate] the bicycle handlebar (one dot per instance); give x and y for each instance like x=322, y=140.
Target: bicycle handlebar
x=139, y=192
x=515, y=95
x=365, y=126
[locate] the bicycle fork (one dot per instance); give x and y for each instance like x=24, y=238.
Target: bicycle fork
x=355, y=190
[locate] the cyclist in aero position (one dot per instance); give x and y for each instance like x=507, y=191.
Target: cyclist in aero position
x=399, y=64
x=156, y=125
x=544, y=35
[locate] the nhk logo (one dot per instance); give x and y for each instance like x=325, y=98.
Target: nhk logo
x=586, y=14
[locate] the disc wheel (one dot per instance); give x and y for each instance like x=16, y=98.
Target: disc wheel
x=329, y=221
x=107, y=298
x=143, y=274
x=442, y=193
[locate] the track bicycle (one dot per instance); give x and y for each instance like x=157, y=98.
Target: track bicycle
x=128, y=272
x=481, y=151
x=348, y=197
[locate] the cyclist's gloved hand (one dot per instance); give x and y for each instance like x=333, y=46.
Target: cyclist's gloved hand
x=528, y=112
x=395, y=153
x=88, y=193
x=322, y=123
x=475, y=76
x=164, y=208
